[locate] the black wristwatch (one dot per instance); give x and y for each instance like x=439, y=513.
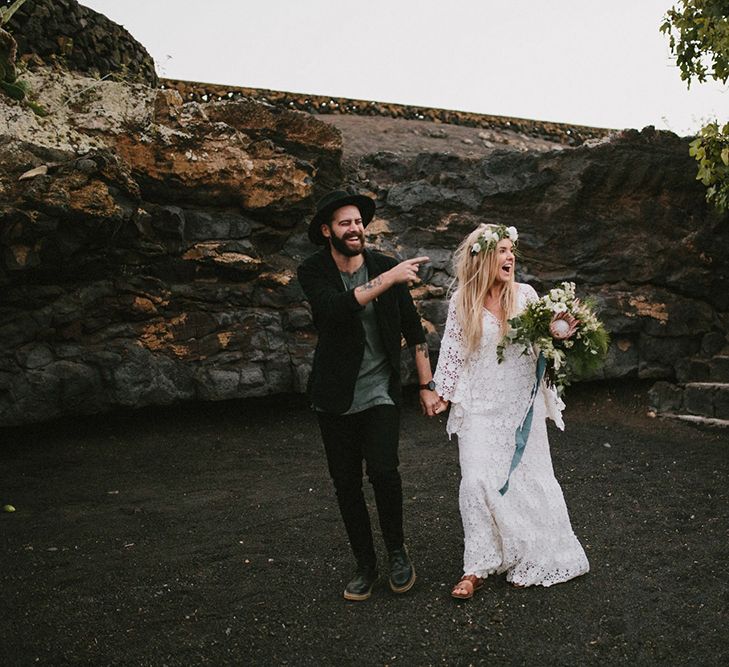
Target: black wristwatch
x=430, y=385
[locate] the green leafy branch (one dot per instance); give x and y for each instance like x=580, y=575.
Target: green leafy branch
x=711, y=150
x=698, y=35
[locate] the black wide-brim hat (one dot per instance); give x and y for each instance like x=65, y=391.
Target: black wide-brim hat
x=330, y=203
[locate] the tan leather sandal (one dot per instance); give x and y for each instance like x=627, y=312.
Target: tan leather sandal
x=466, y=587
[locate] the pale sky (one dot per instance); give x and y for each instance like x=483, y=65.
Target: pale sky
x=587, y=62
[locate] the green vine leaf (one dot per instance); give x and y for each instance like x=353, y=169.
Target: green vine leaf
x=698, y=36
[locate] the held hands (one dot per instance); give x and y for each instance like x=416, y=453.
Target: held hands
x=431, y=404
x=407, y=270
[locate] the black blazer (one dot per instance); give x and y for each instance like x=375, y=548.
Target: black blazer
x=340, y=347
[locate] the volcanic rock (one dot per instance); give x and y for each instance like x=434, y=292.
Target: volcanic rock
x=148, y=254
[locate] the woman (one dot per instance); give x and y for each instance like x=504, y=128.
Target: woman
x=525, y=532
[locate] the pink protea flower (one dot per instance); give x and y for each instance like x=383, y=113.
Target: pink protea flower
x=563, y=326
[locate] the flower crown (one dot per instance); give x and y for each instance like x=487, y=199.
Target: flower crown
x=488, y=239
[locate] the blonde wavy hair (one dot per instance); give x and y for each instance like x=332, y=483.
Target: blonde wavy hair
x=475, y=275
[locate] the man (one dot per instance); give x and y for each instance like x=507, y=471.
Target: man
x=361, y=308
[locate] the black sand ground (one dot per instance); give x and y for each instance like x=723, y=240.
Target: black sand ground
x=208, y=534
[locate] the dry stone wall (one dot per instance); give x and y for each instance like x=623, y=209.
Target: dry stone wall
x=81, y=39
x=324, y=105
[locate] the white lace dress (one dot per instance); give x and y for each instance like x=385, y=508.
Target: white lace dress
x=526, y=532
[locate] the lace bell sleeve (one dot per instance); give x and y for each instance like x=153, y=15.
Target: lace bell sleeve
x=527, y=293
x=452, y=355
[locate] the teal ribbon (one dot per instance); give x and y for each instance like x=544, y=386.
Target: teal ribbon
x=522, y=431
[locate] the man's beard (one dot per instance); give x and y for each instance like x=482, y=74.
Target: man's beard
x=341, y=245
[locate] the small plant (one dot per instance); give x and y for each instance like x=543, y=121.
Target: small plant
x=9, y=82
x=6, y=13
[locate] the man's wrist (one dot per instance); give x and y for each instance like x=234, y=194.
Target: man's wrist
x=430, y=386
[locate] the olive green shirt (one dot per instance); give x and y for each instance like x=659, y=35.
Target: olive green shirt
x=373, y=380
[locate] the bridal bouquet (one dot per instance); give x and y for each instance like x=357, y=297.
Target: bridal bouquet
x=564, y=330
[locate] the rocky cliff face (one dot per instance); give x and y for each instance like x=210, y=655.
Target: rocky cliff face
x=150, y=255
x=622, y=217
x=148, y=258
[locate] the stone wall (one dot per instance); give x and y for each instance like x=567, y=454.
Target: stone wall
x=81, y=39
x=325, y=105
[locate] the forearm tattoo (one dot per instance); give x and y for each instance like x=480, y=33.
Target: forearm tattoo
x=375, y=282
x=422, y=348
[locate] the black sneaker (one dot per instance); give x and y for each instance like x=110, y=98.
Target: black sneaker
x=360, y=587
x=402, y=571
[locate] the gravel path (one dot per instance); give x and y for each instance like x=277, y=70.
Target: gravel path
x=209, y=534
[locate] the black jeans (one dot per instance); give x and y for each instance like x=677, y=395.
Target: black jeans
x=370, y=436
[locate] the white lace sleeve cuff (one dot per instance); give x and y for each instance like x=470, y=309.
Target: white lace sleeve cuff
x=554, y=404
x=452, y=355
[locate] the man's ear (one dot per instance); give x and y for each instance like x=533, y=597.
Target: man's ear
x=326, y=230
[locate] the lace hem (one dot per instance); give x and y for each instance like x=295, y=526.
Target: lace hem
x=542, y=563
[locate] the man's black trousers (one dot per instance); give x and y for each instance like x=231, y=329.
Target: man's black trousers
x=370, y=436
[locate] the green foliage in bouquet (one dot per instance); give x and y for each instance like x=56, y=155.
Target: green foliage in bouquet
x=565, y=330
